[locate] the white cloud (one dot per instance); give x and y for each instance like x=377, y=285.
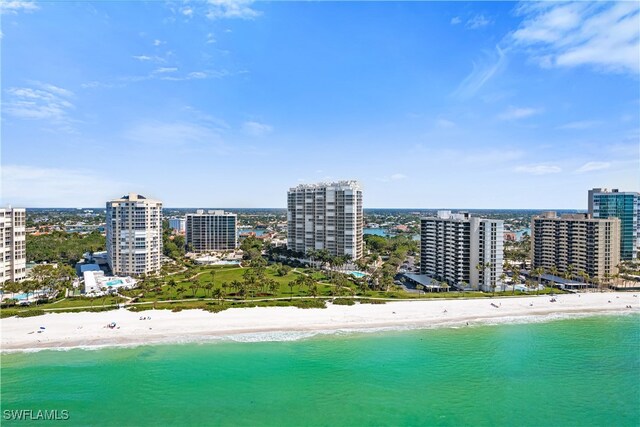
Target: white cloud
x=478, y=21
x=515, y=113
x=593, y=166
x=240, y=9
x=455, y=20
x=579, y=125
x=171, y=134
x=42, y=102
x=210, y=38
x=256, y=129
x=603, y=35
x=398, y=176
x=444, y=123
x=394, y=177
x=157, y=42
x=490, y=66
x=34, y=186
x=147, y=58
x=539, y=169
x=162, y=70
x=187, y=11
x=15, y=6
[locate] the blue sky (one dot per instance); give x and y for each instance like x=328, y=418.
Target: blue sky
x=230, y=103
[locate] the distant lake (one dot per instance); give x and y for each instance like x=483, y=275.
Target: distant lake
x=258, y=231
x=376, y=231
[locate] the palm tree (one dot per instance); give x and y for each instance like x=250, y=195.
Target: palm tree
x=216, y=293
x=194, y=288
x=480, y=269
x=419, y=288
x=291, y=284
x=538, y=271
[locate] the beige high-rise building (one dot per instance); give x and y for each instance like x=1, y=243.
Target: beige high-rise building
x=134, y=235
x=326, y=216
x=457, y=248
x=13, y=246
x=589, y=245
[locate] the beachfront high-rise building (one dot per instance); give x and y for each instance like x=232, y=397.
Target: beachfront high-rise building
x=460, y=249
x=13, y=258
x=576, y=243
x=326, y=216
x=134, y=235
x=604, y=203
x=214, y=230
x=178, y=224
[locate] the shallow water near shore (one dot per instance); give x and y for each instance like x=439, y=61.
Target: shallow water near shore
x=583, y=371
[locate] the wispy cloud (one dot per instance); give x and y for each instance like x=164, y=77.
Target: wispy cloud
x=14, y=6
x=148, y=58
x=43, y=101
x=582, y=124
x=603, y=35
x=163, y=70
x=455, y=20
x=157, y=42
x=483, y=71
x=240, y=9
x=61, y=187
x=444, y=123
x=254, y=128
x=210, y=39
x=539, y=169
x=515, y=113
x=176, y=134
x=393, y=177
x=478, y=21
x=593, y=166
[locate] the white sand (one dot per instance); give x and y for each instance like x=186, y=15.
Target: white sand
x=69, y=330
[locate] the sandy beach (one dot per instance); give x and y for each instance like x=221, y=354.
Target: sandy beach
x=71, y=330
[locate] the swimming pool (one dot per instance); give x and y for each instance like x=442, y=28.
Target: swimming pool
x=357, y=274
x=114, y=282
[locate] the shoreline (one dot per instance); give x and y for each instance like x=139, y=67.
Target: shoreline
x=86, y=330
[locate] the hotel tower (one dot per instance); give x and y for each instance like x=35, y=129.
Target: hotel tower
x=134, y=235
x=13, y=260
x=326, y=216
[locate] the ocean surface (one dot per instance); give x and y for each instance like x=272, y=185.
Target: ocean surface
x=571, y=372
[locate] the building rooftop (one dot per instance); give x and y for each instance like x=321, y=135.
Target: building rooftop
x=344, y=183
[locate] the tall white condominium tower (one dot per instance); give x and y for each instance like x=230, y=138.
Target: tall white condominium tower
x=211, y=231
x=459, y=250
x=576, y=243
x=134, y=235
x=326, y=216
x=12, y=244
x=625, y=205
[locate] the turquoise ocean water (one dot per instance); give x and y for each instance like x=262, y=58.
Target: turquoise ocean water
x=578, y=372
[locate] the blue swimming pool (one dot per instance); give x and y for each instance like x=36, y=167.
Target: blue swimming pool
x=357, y=274
x=114, y=282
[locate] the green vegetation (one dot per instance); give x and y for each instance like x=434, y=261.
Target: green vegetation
x=61, y=247
x=172, y=246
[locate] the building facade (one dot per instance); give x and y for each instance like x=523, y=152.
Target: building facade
x=576, y=243
x=134, y=235
x=13, y=247
x=326, y=216
x=462, y=250
x=214, y=230
x=604, y=203
x=178, y=224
